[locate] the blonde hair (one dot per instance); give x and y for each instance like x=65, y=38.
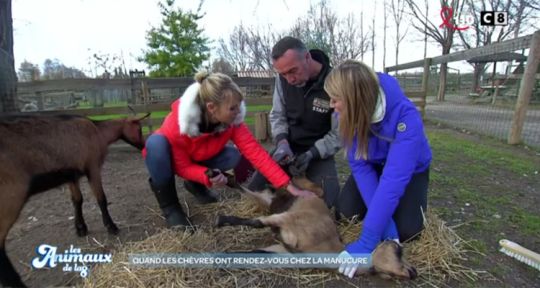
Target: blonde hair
x=216, y=88
x=357, y=85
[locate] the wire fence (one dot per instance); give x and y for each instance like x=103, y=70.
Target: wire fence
x=479, y=112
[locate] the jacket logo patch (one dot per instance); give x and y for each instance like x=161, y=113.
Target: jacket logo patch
x=321, y=105
x=401, y=127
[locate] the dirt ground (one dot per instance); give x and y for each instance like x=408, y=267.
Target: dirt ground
x=48, y=219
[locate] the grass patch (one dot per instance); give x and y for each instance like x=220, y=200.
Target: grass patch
x=478, y=245
x=88, y=104
x=162, y=114
x=446, y=146
x=464, y=174
x=526, y=222
x=259, y=108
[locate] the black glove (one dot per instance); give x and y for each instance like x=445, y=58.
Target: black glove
x=301, y=162
x=283, y=152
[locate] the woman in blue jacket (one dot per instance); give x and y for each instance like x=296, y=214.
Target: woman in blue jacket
x=388, y=153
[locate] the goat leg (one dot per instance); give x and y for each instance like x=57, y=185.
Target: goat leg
x=77, y=199
x=388, y=260
x=9, y=277
x=95, y=182
x=12, y=198
x=234, y=221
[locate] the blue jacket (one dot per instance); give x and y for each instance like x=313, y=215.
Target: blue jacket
x=400, y=145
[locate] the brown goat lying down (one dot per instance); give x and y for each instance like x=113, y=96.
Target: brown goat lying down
x=306, y=225
x=39, y=152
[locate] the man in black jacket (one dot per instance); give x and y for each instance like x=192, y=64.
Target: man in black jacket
x=303, y=125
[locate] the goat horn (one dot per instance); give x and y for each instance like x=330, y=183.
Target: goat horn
x=145, y=116
x=132, y=110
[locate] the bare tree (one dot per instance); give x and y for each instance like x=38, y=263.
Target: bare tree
x=262, y=41
x=221, y=65
x=54, y=69
x=339, y=38
x=318, y=28
x=521, y=13
x=8, y=78
x=248, y=48
x=385, y=27
x=349, y=42
x=373, y=35
x=426, y=2
x=362, y=34
x=28, y=72
x=236, y=48
x=398, y=10
x=443, y=35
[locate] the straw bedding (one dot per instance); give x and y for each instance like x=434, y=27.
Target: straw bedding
x=436, y=255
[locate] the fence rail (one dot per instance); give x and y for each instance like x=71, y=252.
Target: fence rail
x=68, y=87
x=42, y=86
x=527, y=80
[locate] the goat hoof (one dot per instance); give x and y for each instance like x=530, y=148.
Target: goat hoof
x=219, y=221
x=81, y=231
x=388, y=262
x=112, y=229
x=412, y=272
x=222, y=221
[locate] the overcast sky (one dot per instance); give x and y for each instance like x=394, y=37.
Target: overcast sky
x=72, y=30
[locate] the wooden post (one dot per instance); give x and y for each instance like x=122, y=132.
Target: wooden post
x=145, y=92
x=525, y=90
x=261, y=126
x=493, y=87
x=149, y=123
x=425, y=82
x=8, y=76
x=39, y=100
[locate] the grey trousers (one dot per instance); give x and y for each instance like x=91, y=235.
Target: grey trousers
x=320, y=171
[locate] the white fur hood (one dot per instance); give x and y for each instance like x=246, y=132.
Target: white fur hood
x=189, y=113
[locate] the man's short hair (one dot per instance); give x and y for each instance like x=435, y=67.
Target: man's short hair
x=285, y=44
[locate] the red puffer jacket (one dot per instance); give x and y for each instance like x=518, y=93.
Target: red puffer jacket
x=189, y=145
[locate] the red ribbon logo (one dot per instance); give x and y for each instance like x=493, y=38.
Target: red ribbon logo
x=446, y=16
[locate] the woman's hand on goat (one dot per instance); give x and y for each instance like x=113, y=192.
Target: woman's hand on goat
x=299, y=192
x=347, y=266
x=350, y=265
x=219, y=180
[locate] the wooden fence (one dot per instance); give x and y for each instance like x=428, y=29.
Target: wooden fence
x=138, y=90
x=37, y=90
x=526, y=84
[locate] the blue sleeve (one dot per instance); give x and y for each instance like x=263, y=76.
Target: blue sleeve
x=364, y=175
x=400, y=165
x=367, y=181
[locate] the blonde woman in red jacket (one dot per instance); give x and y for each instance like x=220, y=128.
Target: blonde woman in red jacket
x=193, y=139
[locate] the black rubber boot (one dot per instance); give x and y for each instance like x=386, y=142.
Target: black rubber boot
x=168, y=202
x=201, y=193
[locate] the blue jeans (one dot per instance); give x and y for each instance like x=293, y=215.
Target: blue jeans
x=159, y=161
